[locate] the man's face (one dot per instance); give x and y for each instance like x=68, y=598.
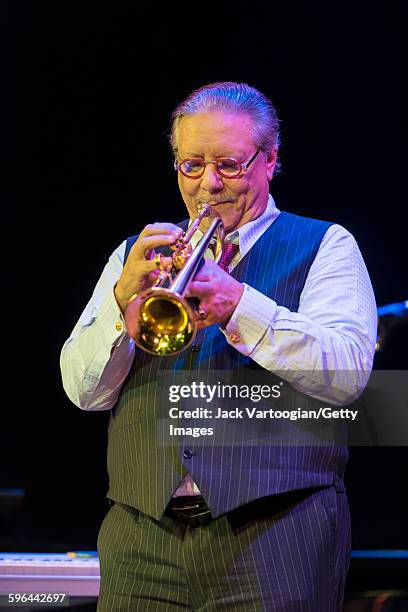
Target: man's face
x=220, y=134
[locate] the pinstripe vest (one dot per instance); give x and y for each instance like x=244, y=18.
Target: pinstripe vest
x=144, y=474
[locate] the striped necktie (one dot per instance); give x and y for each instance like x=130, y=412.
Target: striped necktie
x=228, y=254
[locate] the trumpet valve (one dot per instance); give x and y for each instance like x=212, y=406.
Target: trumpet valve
x=182, y=252
x=181, y=255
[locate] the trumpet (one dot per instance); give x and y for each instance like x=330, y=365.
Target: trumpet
x=160, y=319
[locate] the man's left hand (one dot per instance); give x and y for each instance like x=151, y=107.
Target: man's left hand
x=218, y=293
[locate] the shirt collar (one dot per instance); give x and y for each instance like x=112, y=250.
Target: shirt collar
x=246, y=236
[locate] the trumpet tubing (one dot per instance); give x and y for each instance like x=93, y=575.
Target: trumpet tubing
x=160, y=319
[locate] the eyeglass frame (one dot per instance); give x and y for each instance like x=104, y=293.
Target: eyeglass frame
x=242, y=166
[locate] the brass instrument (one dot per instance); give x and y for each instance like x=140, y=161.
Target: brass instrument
x=160, y=319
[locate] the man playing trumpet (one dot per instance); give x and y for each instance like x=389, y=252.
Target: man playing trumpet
x=204, y=527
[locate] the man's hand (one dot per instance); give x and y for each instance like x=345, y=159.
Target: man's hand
x=218, y=293
x=140, y=271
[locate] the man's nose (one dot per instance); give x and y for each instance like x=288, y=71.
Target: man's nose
x=211, y=181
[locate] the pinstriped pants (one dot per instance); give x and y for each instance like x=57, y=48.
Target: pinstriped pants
x=292, y=560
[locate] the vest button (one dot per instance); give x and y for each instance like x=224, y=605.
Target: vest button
x=195, y=347
x=187, y=453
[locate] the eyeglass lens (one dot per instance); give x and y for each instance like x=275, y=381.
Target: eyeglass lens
x=195, y=167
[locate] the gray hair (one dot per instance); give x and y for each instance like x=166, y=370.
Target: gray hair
x=237, y=98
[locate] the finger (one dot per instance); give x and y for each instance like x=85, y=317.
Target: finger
x=201, y=312
x=198, y=289
x=203, y=277
x=203, y=324
x=144, y=245
x=206, y=322
x=165, y=266
x=150, y=266
x=152, y=276
x=154, y=229
x=207, y=272
x=165, y=262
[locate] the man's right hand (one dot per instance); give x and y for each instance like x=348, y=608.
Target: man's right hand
x=140, y=271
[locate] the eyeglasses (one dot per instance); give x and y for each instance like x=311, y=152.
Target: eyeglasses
x=228, y=167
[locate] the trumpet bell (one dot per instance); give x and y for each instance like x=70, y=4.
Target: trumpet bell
x=160, y=321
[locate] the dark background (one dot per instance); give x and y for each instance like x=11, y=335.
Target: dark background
x=85, y=112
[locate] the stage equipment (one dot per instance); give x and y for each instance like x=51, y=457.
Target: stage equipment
x=76, y=573
x=389, y=316
x=160, y=319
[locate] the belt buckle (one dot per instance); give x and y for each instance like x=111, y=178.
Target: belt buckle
x=195, y=520
x=193, y=512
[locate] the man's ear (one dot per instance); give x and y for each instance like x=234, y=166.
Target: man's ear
x=271, y=159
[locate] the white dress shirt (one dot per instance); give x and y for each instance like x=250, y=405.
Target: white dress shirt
x=332, y=334
x=334, y=329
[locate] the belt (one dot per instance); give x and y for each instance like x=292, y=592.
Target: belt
x=190, y=509
x=193, y=510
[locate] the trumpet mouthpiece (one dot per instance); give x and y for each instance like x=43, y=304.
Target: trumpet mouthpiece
x=204, y=209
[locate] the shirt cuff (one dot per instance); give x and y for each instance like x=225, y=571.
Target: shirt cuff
x=111, y=320
x=250, y=321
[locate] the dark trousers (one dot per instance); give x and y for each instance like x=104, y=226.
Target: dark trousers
x=286, y=552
